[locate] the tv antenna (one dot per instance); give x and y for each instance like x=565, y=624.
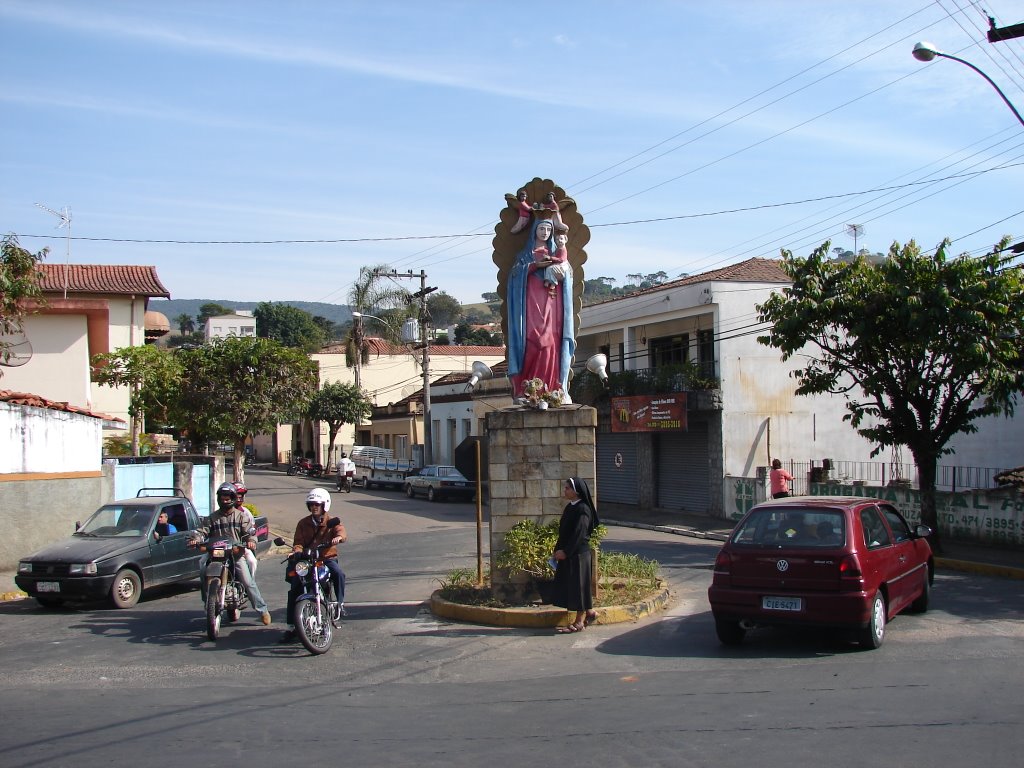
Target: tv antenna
x=65, y=221
x=855, y=231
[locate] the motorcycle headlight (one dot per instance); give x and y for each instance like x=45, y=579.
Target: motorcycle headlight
x=217, y=552
x=87, y=569
x=302, y=568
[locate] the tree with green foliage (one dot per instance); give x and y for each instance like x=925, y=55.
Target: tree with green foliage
x=443, y=310
x=329, y=327
x=19, y=283
x=374, y=294
x=920, y=346
x=151, y=375
x=211, y=309
x=185, y=323
x=232, y=388
x=338, y=404
x=288, y=325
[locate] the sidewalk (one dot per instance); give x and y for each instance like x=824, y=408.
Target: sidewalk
x=957, y=555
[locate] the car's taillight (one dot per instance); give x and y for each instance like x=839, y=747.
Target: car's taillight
x=850, y=572
x=723, y=561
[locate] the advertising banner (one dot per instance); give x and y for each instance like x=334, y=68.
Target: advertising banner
x=649, y=413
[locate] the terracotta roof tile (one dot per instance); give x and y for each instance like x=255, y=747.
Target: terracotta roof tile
x=35, y=401
x=749, y=271
x=123, y=279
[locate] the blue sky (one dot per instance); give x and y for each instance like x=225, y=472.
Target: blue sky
x=365, y=122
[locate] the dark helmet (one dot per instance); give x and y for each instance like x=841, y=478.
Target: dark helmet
x=344, y=455
x=227, y=489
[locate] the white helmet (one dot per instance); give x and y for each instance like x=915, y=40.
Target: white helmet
x=320, y=496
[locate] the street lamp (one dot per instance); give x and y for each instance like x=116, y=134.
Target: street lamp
x=927, y=52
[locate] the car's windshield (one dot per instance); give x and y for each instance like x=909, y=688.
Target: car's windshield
x=118, y=520
x=792, y=527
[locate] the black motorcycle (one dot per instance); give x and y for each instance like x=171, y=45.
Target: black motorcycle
x=224, y=594
x=317, y=610
x=306, y=467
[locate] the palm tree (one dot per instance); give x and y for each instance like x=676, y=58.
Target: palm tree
x=185, y=324
x=373, y=294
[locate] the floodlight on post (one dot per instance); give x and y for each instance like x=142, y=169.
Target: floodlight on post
x=481, y=372
x=927, y=52
x=598, y=365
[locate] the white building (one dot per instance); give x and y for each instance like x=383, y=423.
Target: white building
x=238, y=323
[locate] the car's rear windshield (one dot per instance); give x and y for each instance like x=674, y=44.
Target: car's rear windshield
x=792, y=527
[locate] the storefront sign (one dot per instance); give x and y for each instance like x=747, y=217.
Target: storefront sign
x=649, y=413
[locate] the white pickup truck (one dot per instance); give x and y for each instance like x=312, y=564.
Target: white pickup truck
x=378, y=467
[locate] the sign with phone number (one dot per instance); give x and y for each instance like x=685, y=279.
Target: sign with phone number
x=649, y=413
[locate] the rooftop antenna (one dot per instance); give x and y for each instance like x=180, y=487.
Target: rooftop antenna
x=65, y=220
x=855, y=231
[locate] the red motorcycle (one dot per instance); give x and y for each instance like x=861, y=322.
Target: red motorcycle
x=303, y=466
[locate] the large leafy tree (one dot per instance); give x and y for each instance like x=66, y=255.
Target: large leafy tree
x=239, y=386
x=152, y=375
x=920, y=346
x=185, y=323
x=211, y=309
x=19, y=283
x=338, y=404
x=289, y=325
x=444, y=310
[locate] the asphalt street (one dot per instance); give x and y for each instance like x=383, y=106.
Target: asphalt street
x=93, y=685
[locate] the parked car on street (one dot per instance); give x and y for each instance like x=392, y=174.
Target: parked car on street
x=119, y=551
x=846, y=562
x=439, y=481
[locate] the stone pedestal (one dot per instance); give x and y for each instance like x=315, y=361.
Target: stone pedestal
x=531, y=454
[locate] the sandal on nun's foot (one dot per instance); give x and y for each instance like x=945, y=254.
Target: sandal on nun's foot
x=569, y=629
x=590, y=619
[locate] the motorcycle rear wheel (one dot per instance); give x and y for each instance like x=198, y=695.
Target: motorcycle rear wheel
x=315, y=631
x=212, y=610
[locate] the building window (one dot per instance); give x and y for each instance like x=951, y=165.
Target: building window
x=706, y=350
x=467, y=428
x=669, y=350
x=401, y=447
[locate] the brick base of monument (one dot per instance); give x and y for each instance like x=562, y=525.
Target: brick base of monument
x=531, y=454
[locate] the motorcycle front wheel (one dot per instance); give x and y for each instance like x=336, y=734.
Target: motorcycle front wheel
x=212, y=610
x=313, y=626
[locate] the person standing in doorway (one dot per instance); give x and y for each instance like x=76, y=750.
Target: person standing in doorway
x=779, y=479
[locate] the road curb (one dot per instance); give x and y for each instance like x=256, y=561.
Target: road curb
x=983, y=569
x=678, y=530
x=544, y=616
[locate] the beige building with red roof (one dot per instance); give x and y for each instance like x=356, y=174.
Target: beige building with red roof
x=89, y=309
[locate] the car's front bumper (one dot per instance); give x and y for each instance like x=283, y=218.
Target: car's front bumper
x=71, y=587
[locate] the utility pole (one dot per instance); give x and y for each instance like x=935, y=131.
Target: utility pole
x=424, y=346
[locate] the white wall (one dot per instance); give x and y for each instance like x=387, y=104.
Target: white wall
x=42, y=440
x=59, y=368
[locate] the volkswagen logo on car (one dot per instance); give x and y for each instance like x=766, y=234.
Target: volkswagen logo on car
x=782, y=565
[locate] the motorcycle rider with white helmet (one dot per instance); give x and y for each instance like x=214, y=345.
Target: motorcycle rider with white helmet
x=313, y=531
x=237, y=526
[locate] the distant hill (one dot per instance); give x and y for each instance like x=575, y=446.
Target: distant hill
x=171, y=308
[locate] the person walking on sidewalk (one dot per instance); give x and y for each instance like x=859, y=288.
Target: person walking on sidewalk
x=779, y=479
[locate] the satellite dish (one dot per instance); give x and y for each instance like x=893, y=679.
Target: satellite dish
x=855, y=231
x=15, y=350
x=410, y=389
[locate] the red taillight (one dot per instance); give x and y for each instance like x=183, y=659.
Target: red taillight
x=723, y=561
x=849, y=567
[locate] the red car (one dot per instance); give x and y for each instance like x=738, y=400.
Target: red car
x=845, y=562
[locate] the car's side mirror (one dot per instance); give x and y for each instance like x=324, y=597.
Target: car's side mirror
x=922, y=531
x=78, y=524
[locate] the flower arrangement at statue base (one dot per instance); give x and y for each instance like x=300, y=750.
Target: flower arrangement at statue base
x=537, y=395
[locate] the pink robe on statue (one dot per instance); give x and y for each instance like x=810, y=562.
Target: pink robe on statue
x=543, y=331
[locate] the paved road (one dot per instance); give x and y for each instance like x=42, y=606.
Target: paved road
x=96, y=685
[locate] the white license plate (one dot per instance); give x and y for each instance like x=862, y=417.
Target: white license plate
x=782, y=603
x=48, y=586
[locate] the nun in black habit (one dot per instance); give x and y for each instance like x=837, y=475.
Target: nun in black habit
x=573, y=588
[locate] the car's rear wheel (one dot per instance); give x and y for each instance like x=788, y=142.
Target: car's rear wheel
x=409, y=491
x=431, y=495
x=729, y=632
x=126, y=589
x=50, y=602
x=874, y=633
x=921, y=604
